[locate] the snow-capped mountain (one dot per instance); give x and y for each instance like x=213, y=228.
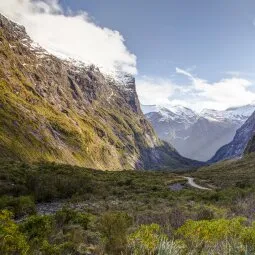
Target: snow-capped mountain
x=180, y=114
x=196, y=135
x=236, y=114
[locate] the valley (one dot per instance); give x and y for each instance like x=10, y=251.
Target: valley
x=73, y=196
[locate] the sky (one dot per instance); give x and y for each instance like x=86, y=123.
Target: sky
x=198, y=54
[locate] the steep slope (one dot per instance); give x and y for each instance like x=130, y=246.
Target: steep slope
x=66, y=112
x=237, y=147
x=250, y=146
x=196, y=135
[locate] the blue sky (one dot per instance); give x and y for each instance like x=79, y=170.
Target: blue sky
x=216, y=36
x=213, y=39
x=195, y=53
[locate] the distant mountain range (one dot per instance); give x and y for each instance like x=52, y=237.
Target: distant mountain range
x=196, y=135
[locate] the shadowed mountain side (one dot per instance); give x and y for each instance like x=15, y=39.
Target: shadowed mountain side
x=237, y=147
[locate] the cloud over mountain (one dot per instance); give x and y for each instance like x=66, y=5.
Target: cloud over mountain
x=71, y=35
x=196, y=93
x=222, y=94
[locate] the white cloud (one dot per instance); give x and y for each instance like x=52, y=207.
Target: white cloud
x=74, y=36
x=222, y=94
x=181, y=71
x=154, y=90
x=77, y=36
x=198, y=93
x=240, y=74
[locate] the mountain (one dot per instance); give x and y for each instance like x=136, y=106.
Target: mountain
x=250, y=148
x=196, y=135
x=243, y=140
x=66, y=112
x=235, y=114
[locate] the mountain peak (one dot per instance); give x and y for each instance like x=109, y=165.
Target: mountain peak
x=237, y=114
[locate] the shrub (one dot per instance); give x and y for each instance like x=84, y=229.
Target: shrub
x=69, y=216
x=12, y=241
x=145, y=239
x=177, y=217
x=211, y=231
x=219, y=234
x=20, y=206
x=205, y=214
x=37, y=228
x=166, y=247
x=113, y=227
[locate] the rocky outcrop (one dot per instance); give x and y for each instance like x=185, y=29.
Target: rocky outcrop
x=66, y=112
x=250, y=146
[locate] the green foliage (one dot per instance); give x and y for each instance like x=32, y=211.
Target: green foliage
x=205, y=213
x=67, y=216
x=49, y=249
x=95, y=227
x=37, y=228
x=166, y=247
x=230, y=173
x=20, y=206
x=113, y=227
x=146, y=239
x=44, y=182
x=232, y=234
x=48, y=181
x=12, y=241
x=211, y=231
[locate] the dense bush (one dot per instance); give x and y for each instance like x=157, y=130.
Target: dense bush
x=69, y=232
x=37, y=227
x=218, y=236
x=114, y=227
x=145, y=239
x=119, y=213
x=12, y=241
x=20, y=206
x=67, y=216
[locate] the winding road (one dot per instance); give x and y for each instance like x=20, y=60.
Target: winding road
x=193, y=184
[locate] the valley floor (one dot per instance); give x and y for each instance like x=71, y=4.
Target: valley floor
x=60, y=209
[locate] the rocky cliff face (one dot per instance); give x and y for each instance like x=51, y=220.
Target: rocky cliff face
x=250, y=148
x=66, y=112
x=236, y=148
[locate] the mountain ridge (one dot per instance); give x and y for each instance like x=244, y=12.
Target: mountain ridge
x=65, y=112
